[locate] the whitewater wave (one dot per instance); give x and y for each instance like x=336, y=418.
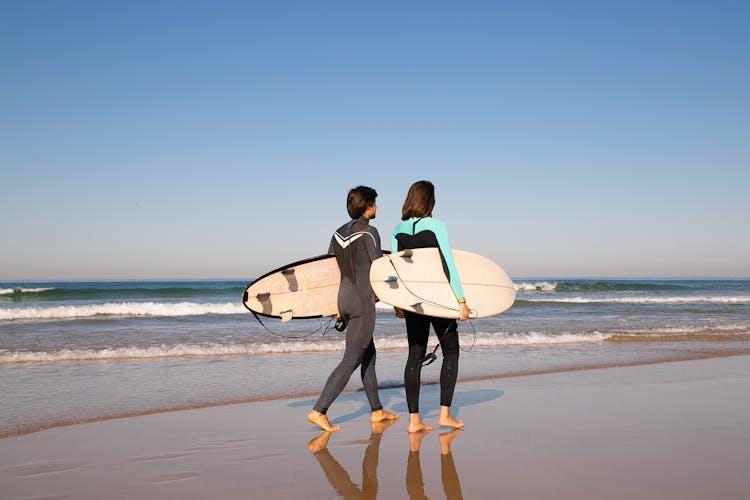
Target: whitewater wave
x=120, y=309
x=539, y=338
x=738, y=331
x=278, y=347
x=536, y=286
x=705, y=299
x=14, y=291
x=165, y=351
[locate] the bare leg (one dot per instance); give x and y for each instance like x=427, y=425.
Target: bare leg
x=445, y=440
x=446, y=420
x=415, y=439
x=451, y=483
x=416, y=424
x=319, y=419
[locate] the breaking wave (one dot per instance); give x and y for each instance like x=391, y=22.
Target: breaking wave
x=292, y=346
x=121, y=309
x=19, y=291
x=687, y=299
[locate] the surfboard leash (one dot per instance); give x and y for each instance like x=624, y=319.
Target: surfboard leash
x=398, y=275
x=323, y=327
x=431, y=357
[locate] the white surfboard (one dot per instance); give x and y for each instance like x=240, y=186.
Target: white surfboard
x=305, y=289
x=414, y=280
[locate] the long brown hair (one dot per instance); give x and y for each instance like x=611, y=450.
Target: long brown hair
x=419, y=200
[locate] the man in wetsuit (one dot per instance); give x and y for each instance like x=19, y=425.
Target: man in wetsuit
x=356, y=244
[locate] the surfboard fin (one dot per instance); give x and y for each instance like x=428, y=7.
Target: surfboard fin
x=263, y=296
x=285, y=315
x=407, y=254
x=391, y=279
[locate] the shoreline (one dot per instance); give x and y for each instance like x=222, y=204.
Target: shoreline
x=672, y=430
x=676, y=359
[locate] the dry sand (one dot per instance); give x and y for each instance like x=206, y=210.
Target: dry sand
x=678, y=430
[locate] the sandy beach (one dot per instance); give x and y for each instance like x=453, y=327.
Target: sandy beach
x=668, y=430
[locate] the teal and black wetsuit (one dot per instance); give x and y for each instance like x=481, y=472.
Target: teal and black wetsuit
x=428, y=232
x=356, y=244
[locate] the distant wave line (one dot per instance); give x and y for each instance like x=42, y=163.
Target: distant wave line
x=726, y=299
x=121, y=309
x=12, y=291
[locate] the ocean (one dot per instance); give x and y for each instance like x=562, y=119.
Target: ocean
x=81, y=351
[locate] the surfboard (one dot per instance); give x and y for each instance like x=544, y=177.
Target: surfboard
x=414, y=280
x=305, y=289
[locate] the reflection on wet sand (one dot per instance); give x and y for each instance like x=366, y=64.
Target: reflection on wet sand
x=340, y=481
x=414, y=481
x=337, y=475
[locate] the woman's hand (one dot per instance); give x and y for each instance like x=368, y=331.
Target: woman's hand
x=399, y=312
x=463, y=313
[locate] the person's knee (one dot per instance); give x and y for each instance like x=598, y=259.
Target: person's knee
x=352, y=360
x=451, y=353
x=416, y=357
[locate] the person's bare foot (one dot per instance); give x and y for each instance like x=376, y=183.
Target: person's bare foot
x=416, y=424
x=450, y=422
x=446, y=420
x=317, y=418
x=380, y=415
x=381, y=426
x=319, y=443
x=445, y=440
x=415, y=439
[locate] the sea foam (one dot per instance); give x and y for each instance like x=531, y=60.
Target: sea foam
x=121, y=309
x=289, y=346
x=537, y=286
x=695, y=299
x=11, y=291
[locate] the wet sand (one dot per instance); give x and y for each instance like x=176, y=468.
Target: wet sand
x=671, y=430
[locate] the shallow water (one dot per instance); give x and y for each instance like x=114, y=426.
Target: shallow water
x=79, y=351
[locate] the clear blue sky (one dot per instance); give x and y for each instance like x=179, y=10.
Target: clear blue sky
x=155, y=139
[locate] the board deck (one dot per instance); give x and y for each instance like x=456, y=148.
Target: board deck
x=305, y=289
x=414, y=280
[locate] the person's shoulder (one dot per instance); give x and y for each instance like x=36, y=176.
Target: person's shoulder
x=363, y=226
x=401, y=226
x=435, y=223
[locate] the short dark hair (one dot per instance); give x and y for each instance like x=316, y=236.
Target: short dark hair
x=419, y=201
x=359, y=200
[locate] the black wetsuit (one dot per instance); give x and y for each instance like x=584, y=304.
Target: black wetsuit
x=356, y=244
x=426, y=233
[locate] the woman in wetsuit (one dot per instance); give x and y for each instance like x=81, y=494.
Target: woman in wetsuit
x=418, y=229
x=356, y=244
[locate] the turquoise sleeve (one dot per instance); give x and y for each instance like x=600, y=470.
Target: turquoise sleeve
x=401, y=228
x=441, y=233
